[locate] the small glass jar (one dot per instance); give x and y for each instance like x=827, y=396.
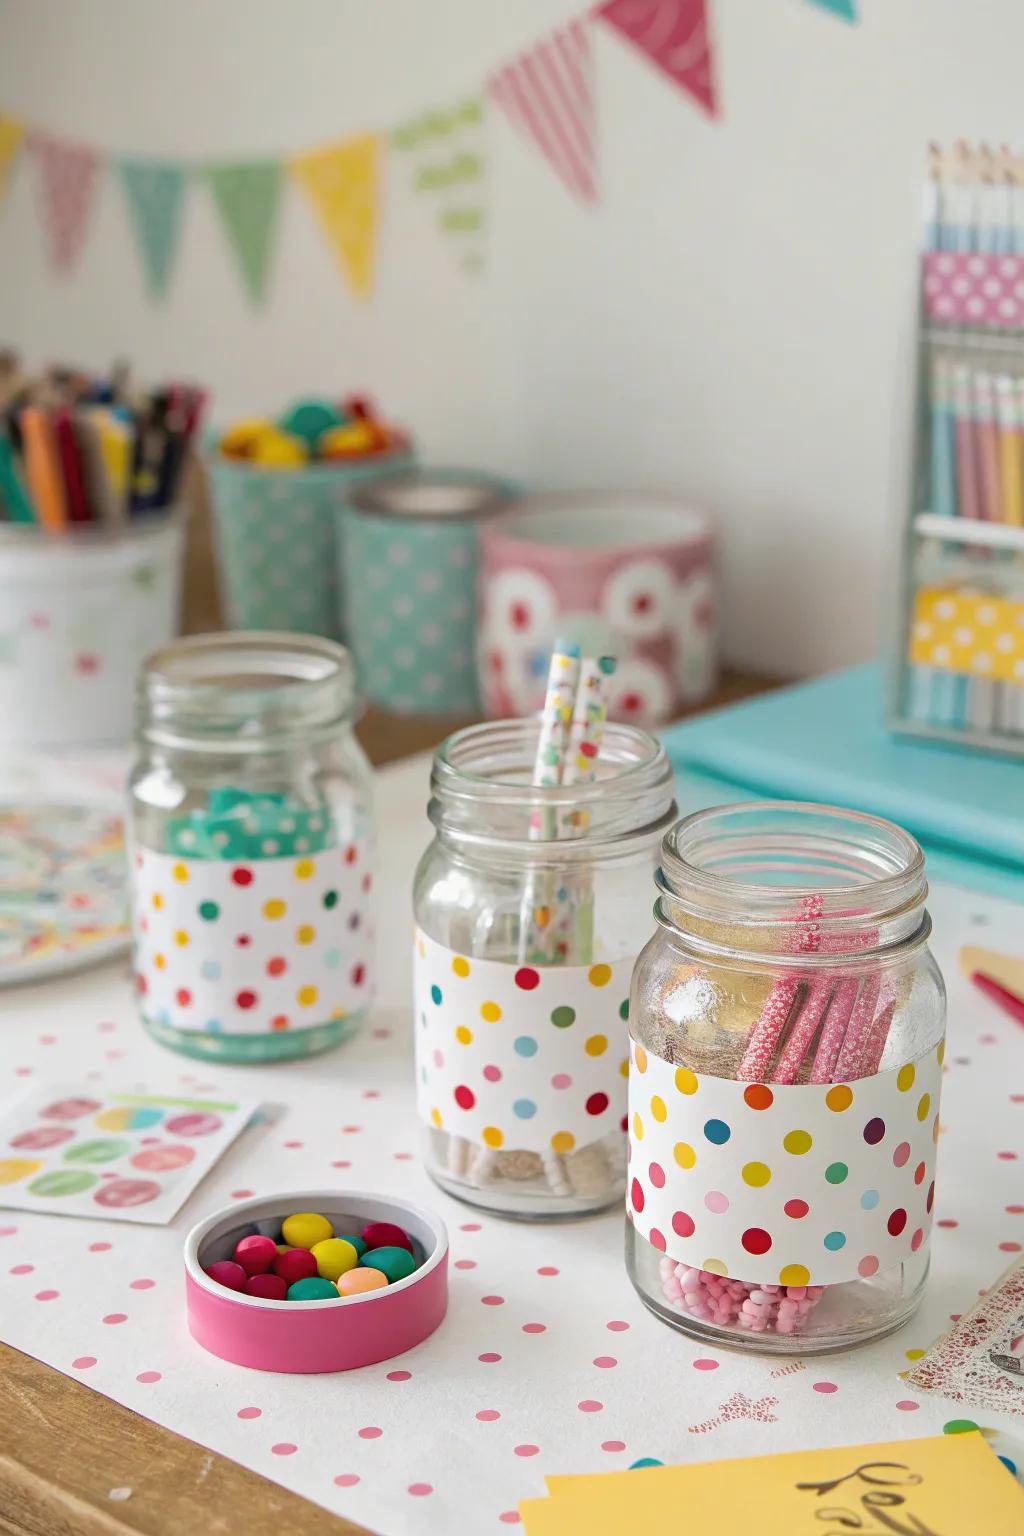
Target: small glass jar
x=252, y=848
x=787, y=1024
x=531, y=906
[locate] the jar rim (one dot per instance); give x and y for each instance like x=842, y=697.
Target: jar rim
x=235, y=690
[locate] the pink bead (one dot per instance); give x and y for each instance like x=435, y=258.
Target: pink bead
x=295, y=1264
x=226, y=1272
x=268, y=1287
x=255, y=1254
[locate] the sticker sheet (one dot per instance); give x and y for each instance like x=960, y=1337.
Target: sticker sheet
x=532, y=1057
x=70, y=1151
x=793, y=1184
x=255, y=946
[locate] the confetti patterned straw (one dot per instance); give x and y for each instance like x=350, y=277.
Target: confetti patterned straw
x=574, y=910
x=535, y=928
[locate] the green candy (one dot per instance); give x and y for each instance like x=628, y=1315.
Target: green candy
x=357, y=1242
x=309, y=418
x=313, y=1288
x=396, y=1263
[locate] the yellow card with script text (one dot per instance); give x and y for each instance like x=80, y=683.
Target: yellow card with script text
x=948, y=1485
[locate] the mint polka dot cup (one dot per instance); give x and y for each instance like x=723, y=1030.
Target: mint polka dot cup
x=787, y=1029
x=252, y=866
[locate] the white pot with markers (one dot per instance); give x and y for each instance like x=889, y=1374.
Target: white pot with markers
x=251, y=848
x=524, y=948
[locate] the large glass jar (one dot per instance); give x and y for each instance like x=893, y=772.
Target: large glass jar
x=787, y=1024
x=252, y=848
x=531, y=906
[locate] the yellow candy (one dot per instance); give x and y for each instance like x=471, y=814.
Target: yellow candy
x=305, y=1229
x=238, y=441
x=341, y=442
x=333, y=1257
x=275, y=449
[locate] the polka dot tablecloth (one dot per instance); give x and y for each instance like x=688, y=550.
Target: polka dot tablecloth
x=547, y=1362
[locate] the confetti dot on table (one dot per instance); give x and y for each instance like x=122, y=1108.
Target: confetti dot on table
x=489, y=1358
x=616, y=1326
x=958, y=1426
x=47, y=1295
x=470, y=1226
x=907, y=1405
x=717, y=1132
x=488, y=1415
x=147, y=1377
x=590, y=1405
x=613, y=1445
x=116, y=1317
x=1007, y=1157
x=913, y=1354
x=526, y=978
x=493, y=1301
x=370, y=1432
x=465, y=1263
x=284, y=1448
x=547, y=1269
x=142, y=1285
x=868, y=1266
x=947, y=1221
x=490, y=1013
x=824, y=1386
x=100, y=1247
x=535, y=1328
x=527, y=1450
x=756, y=1174
x=346, y=1480
x=1009, y=1247
x=83, y=1362
x=399, y=1376
x=605, y=1362
x=22, y=1269
x=249, y=1413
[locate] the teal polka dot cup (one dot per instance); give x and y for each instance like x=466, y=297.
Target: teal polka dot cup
x=276, y=537
x=409, y=556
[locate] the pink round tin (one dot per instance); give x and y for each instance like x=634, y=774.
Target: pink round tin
x=313, y=1336
x=629, y=574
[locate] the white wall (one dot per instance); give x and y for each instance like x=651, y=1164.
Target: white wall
x=734, y=319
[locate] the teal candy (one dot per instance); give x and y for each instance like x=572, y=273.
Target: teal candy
x=276, y=533
x=314, y=1288
x=410, y=598
x=396, y=1263
x=309, y=418
x=357, y=1242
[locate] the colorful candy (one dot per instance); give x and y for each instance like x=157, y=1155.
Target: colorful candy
x=333, y=1257
x=312, y=431
x=256, y=1254
x=305, y=1229
x=355, y=1282
x=311, y=1264
x=396, y=1263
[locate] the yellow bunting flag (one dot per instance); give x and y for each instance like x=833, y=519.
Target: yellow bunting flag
x=11, y=135
x=341, y=183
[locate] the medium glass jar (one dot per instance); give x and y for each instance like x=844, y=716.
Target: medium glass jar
x=787, y=1024
x=524, y=948
x=252, y=848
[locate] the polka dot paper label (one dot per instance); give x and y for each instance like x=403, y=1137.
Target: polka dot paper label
x=785, y=1185
x=254, y=947
x=520, y=1056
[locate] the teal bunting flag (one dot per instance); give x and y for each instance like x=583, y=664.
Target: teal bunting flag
x=154, y=192
x=247, y=195
x=846, y=10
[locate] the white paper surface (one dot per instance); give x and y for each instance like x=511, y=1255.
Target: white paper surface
x=547, y=1362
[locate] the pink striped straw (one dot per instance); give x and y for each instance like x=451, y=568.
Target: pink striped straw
x=764, y=1037
x=834, y=1031
x=850, y=1062
x=878, y=1034
x=803, y=1032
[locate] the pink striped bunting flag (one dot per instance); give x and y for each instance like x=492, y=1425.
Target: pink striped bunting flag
x=547, y=93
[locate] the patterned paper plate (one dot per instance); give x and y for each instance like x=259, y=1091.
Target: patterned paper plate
x=63, y=889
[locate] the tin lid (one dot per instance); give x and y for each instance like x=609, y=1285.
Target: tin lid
x=432, y=495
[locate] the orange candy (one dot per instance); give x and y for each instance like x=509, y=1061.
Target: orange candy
x=356, y=1281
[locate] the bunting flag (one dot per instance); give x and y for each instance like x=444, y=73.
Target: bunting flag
x=11, y=135
x=340, y=181
x=547, y=94
x=445, y=153
x=674, y=35
x=247, y=195
x=154, y=192
x=846, y=9
x=67, y=175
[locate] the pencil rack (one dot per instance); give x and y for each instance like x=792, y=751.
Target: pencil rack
x=957, y=669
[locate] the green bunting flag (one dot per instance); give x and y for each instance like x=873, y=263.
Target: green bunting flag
x=154, y=192
x=247, y=195
x=444, y=151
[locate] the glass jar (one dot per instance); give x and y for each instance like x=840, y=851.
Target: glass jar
x=787, y=1024
x=524, y=949
x=252, y=844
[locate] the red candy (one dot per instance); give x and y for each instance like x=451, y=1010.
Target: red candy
x=256, y=1254
x=295, y=1264
x=384, y=1234
x=226, y=1272
x=268, y=1287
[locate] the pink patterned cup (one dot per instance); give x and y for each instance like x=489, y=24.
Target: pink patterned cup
x=629, y=574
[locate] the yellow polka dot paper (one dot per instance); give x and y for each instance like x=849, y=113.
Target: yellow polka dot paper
x=255, y=946
x=968, y=632
x=794, y=1184
x=522, y=1056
